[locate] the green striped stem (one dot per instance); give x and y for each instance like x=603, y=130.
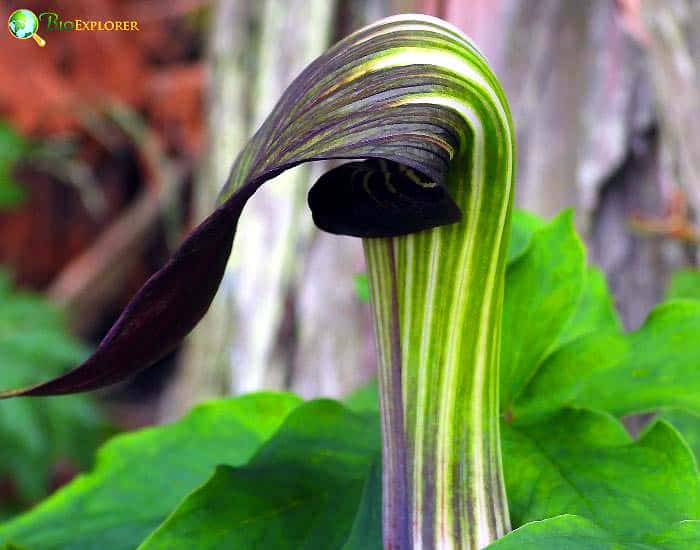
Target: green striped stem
x=444, y=290
x=449, y=285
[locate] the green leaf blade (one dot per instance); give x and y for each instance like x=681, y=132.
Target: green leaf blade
x=140, y=477
x=583, y=463
x=652, y=368
x=595, y=311
x=565, y=374
x=565, y=531
x=681, y=536
x=543, y=287
x=366, y=533
x=688, y=424
x=576, y=533
x=523, y=227
x=301, y=490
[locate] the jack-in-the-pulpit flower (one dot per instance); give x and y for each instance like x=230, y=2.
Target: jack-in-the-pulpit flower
x=413, y=97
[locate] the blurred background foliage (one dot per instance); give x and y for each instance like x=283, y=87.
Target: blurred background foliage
x=44, y=442
x=113, y=145
x=12, y=148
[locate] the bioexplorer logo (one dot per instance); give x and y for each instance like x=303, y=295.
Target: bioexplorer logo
x=24, y=24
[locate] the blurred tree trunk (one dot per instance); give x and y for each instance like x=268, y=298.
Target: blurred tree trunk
x=589, y=87
x=256, y=49
x=672, y=40
x=333, y=345
x=268, y=326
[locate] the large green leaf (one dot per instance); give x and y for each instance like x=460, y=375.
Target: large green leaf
x=660, y=369
x=313, y=480
x=591, y=341
x=543, y=288
x=570, y=532
x=595, y=310
x=366, y=533
x=680, y=536
x=140, y=477
x=567, y=372
x=654, y=367
x=364, y=400
x=523, y=226
x=301, y=490
x=688, y=424
x=583, y=463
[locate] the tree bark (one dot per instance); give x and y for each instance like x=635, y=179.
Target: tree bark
x=256, y=50
x=588, y=95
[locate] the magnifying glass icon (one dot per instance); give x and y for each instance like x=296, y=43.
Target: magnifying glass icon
x=23, y=24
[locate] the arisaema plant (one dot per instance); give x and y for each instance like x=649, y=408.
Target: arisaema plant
x=415, y=99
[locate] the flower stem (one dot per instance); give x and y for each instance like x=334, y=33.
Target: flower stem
x=437, y=302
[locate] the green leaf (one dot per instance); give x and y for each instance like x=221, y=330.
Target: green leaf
x=652, y=368
x=139, y=478
x=301, y=490
x=542, y=292
x=568, y=532
x=583, y=462
x=661, y=368
x=681, y=536
x=688, y=424
x=595, y=310
x=684, y=284
x=366, y=533
x=365, y=399
x=523, y=227
x=566, y=374
x=569, y=303
x=576, y=533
